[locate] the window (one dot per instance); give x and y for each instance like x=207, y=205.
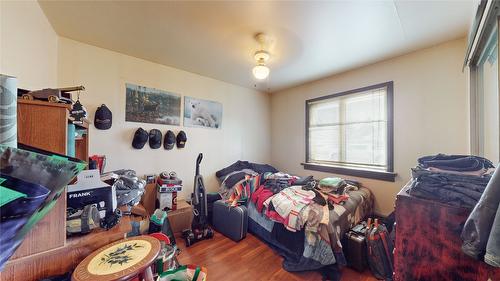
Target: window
x=484, y=102
x=351, y=133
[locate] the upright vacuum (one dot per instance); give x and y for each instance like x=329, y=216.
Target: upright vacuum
x=199, y=227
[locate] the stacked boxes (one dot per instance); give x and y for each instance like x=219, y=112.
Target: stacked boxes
x=166, y=192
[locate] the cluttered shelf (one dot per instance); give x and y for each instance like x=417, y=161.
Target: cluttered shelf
x=44, y=103
x=100, y=237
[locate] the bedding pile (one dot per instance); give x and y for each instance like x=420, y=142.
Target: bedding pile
x=302, y=218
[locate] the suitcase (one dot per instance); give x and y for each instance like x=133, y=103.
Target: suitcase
x=212, y=197
x=230, y=221
x=355, y=248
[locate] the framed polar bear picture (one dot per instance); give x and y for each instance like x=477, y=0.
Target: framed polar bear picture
x=202, y=113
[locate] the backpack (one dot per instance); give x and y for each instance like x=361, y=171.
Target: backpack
x=380, y=248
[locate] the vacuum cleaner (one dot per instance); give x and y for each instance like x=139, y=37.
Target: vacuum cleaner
x=199, y=227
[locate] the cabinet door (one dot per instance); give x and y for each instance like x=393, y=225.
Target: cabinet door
x=42, y=125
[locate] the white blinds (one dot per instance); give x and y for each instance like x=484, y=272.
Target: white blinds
x=350, y=129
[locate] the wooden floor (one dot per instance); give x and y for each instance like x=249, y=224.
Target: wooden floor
x=249, y=259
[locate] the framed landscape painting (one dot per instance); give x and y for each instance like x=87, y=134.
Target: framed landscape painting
x=149, y=105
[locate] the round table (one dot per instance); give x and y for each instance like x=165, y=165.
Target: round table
x=120, y=260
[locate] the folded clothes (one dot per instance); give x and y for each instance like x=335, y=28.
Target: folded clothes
x=459, y=163
x=330, y=182
x=470, y=173
x=475, y=182
x=453, y=189
x=338, y=199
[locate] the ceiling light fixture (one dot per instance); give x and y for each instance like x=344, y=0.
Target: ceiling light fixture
x=261, y=71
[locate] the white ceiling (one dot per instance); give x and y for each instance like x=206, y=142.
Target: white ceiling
x=312, y=39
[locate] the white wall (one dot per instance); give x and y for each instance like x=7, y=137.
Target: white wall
x=245, y=132
x=430, y=103
x=430, y=112
x=28, y=45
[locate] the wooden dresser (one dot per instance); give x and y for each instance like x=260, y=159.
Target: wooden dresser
x=428, y=244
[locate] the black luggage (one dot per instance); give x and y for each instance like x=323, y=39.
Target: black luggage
x=230, y=221
x=355, y=247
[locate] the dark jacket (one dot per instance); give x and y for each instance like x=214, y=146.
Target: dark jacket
x=481, y=232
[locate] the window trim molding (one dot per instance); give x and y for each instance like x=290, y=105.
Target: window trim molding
x=387, y=175
x=487, y=20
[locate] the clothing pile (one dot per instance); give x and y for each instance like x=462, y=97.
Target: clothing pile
x=457, y=180
x=241, y=179
x=273, y=184
x=287, y=198
x=276, y=182
x=299, y=203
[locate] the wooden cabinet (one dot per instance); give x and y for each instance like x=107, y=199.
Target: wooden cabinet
x=428, y=244
x=44, y=125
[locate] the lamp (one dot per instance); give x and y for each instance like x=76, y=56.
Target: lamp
x=261, y=71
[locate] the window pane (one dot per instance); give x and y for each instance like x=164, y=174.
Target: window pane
x=367, y=106
x=365, y=143
x=324, y=113
x=324, y=143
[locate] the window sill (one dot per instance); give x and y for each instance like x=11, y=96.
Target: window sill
x=370, y=174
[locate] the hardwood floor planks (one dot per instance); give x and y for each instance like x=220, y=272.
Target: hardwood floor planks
x=249, y=259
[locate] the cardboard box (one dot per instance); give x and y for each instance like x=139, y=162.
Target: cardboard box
x=181, y=218
x=89, y=189
x=148, y=199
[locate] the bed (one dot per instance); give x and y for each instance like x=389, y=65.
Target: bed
x=240, y=180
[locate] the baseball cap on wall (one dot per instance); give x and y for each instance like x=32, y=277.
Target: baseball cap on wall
x=169, y=141
x=154, y=138
x=181, y=139
x=103, y=118
x=140, y=138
